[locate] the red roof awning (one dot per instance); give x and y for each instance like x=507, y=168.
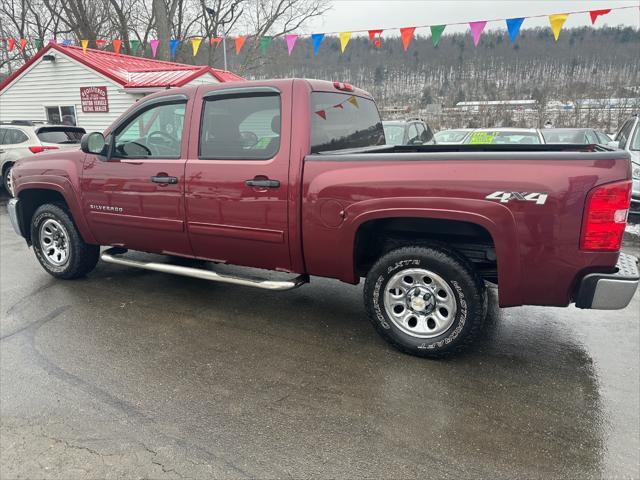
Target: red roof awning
x=130, y=71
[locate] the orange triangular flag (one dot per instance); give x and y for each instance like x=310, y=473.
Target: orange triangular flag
x=116, y=46
x=85, y=44
x=240, y=43
x=407, y=35
x=23, y=43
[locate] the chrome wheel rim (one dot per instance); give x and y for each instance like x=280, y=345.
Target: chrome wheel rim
x=54, y=242
x=420, y=303
x=9, y=181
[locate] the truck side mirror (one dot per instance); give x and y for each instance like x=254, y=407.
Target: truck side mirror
x=92, y=143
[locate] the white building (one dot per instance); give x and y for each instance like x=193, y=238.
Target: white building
x=63, y=84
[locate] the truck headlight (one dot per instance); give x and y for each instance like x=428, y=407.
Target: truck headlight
x=636, y=173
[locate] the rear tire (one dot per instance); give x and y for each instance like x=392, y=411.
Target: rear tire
x=58, y=244
x=425, y=301
x=6, y=179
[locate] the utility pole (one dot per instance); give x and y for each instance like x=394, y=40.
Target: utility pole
x=222, y=22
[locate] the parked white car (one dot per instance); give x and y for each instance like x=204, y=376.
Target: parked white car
x=628, y=138
x=452, y=137
x=22, y=138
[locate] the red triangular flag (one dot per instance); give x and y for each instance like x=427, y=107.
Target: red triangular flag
x=339, y=105
x=407, y=35
x=594, y=14
x=101, y=43
x=215, y=40
x=322, y=113
x=374, y=37
x=11, y=42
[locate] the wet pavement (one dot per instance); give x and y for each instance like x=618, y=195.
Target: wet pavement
x=134, y=374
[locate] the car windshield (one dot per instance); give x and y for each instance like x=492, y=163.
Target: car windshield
x=394, y=134
x=60, y=134
x=450, y=136
x=565, y=136
x=635, y=144
x=342, y=121
x=503, y=138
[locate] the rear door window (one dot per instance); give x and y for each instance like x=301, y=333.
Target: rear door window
x=13, y=136
x=60, y=135
x=623, y=133
x=340, y=121
x=240, y=127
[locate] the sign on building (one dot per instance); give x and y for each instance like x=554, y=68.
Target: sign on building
x=94, y=99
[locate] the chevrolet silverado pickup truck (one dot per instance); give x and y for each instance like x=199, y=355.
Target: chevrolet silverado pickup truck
x=295, y=176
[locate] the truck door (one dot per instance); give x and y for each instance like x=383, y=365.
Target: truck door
x=237, y=178
x=135, y=198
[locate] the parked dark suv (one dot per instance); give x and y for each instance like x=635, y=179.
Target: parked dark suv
x=408, y=132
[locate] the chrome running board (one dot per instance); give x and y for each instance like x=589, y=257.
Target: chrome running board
x=111, y=256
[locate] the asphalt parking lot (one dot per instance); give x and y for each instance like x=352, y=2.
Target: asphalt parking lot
x=134, y=374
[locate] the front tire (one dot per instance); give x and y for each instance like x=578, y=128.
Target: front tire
x=58, y=244
x=425, y=301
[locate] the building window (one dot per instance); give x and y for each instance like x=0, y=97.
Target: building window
x=61, y=115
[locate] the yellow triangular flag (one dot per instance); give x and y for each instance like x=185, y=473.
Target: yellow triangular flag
x=556, y=22
x=344, y=40
x=353, y=101
x=85, y=44
x=195, y=45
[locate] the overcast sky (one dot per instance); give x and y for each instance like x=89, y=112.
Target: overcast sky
x=347, y=15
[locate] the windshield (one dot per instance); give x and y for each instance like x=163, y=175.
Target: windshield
x=635, y=144
x=503, y=138
x=340, y=121
x=60, y=134
x=450, y=136
x=394, y=134
x=568, y=136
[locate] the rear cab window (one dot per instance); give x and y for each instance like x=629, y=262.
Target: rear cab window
x=342, y=121
x=60, y=135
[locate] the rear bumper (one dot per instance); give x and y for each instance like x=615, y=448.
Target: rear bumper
x=14, y=215
x=610, y=291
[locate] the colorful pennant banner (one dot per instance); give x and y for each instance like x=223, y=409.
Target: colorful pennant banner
x=556, y=22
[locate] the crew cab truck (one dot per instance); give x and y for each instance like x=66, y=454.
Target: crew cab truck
x=294, y=176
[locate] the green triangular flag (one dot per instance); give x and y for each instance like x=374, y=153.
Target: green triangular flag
x=436, y=33
x=134, y=45
x=264, y=44
x=38, y=43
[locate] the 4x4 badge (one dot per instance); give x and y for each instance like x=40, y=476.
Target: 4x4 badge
x=505, y=197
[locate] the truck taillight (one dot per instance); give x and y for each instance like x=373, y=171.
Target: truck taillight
x=40, y=148
x=606, y=217
x=345, y=87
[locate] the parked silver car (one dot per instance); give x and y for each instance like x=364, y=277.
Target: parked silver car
x=22, y=138
x=628, y=138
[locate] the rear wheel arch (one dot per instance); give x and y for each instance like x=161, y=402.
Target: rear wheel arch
x=375, y=237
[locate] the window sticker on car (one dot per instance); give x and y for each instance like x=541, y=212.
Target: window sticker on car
x=482, y=137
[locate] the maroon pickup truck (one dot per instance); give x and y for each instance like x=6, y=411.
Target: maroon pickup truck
x=294, y=176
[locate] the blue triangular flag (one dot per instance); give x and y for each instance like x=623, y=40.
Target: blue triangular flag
x=173, y=44
x=66, y=42
x=317, y=40
x=513, y=25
